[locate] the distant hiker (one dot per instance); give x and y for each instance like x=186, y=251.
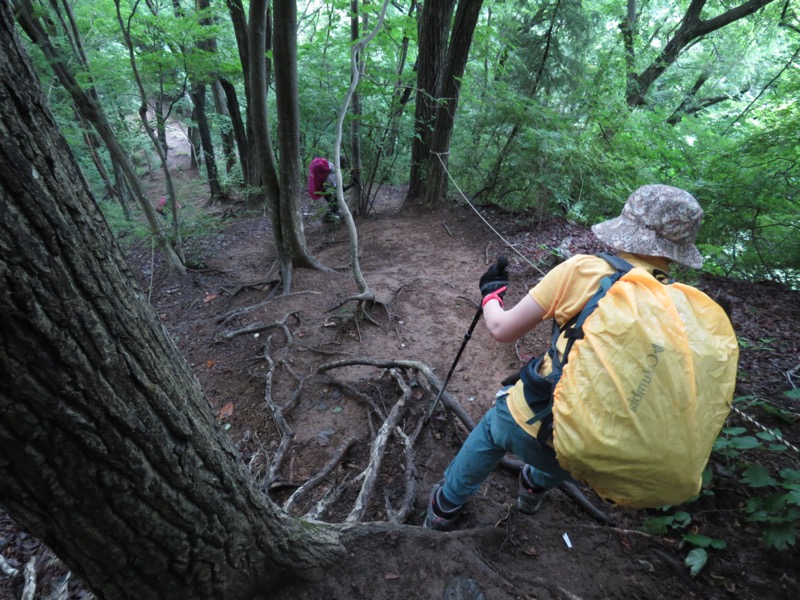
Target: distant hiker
x=161, y=206
x=665, y=404
x=322, y=184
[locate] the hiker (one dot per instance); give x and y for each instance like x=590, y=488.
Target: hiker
x=322, y=184
x=658, y=226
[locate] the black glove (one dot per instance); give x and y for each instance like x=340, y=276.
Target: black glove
x=494, y=282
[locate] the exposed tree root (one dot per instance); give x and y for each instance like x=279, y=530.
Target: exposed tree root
x=378, y=450
x=29, y=572
x=393, y=423
x=320, y=475
x=227, y=317
x=7, y=569
x=277, y=416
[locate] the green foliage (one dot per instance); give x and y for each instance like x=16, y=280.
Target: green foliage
x=697, y=558
x=542, y=126
x=125, y=231
x=661, y=525
x=778, y=513
x=775, y=499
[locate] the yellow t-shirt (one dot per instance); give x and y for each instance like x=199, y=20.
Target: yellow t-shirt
x=562, y=293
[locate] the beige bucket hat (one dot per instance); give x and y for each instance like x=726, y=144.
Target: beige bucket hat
x=657, y=220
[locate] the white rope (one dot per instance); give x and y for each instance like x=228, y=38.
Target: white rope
x=489, y=225
x=774, y=434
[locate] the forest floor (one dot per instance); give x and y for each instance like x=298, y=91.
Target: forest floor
x=249, y=350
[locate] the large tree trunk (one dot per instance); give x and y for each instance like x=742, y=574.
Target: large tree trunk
x=112, y=457
x=463, y=29
x=434, y=28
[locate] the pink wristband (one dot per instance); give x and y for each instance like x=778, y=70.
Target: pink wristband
x=495, y=295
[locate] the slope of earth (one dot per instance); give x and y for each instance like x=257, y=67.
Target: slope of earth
x=331, y=376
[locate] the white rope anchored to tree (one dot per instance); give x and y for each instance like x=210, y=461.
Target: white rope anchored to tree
x=482, y=218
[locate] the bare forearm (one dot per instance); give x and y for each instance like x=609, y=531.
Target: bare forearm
x=510, y=325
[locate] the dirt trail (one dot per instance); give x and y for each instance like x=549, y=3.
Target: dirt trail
x=425, y=268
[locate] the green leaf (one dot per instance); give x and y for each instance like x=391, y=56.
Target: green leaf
x=745, y=443
x=734, y=430
x=718, y=544
x=790, y=474
x=657, y=525
x=696, y=560
x=780, y=535
x=758, y=476
x=682, y=519
x=704, y=541
x=769, y=435
x=708, y=475
x=701, y=541
x=794, y=394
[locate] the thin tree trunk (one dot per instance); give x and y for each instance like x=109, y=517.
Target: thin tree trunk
x=199, y=100
x=288, y=109
x=228, y=140
x=207, y=44
x=357, y=199
x=260, y=42
x=173, y=200
x=239, y=131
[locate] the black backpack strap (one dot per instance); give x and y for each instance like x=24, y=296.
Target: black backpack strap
x=574, y=329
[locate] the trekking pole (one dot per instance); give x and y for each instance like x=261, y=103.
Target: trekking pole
x=502, y=262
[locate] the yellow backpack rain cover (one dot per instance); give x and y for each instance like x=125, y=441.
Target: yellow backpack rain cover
x=645, y=392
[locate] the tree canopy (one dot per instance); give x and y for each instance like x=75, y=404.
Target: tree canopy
x=563, y=107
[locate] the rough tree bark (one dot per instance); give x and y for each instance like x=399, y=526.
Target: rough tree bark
x=208, y=44
x=434, y=28
x=463, y=28
x=286, y=211
x=108, y=452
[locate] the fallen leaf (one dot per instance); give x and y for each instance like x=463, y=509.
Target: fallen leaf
x=225, y=412
x=210, y=297
x=210, y=363
x=532, y=552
